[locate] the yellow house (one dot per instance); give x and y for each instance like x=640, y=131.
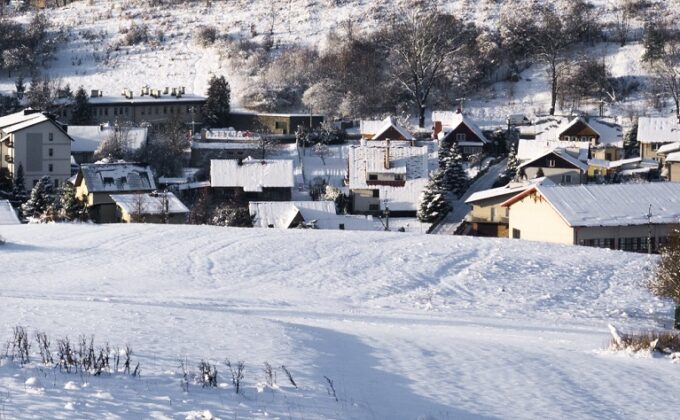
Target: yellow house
x=673, y=167
x=96, y=182
x=599, y=168
x=161, y=207
x=656, y=132
x=630, y=217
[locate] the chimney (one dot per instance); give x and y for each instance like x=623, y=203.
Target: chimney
x=387, y=154
x=437, y=128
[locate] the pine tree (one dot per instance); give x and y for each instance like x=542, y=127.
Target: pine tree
x=19, y=188
x=513, y=163
x=40, y=199
x=444, y=154
x=630, y=143
x=200, y=211
x=81, y=113
x=455, y=178
x=72, y=209
x=433, y=205
x=217, y=106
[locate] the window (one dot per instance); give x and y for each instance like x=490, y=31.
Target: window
x=493, y=213
x=460, y=137
x=106, y=112
x=50, y=167
x=566, y=179
x=341, y=226
x=374, y=207
x=56, y=183
x=376, y=193
x=399, y=177
x=516, y=234
x=51, y=136
x=551, y=163
x=142, y=110
x=372, y=177
x=165, y=110
x=50, y=152
x=115, y=111
x=280, y=125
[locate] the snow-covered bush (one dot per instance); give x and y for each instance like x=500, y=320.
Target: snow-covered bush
x=135, y=34
x=205, y=35
x=232, y=216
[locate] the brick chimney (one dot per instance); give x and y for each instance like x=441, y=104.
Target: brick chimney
x=437, y=128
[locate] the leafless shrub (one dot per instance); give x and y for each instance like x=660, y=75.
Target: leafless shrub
x=663, y=341
x=185, y=376
x=44, y=348
x=206, y=35
x=207, y=375
x=288, y=375
x=19, y=346
x=330, y=388
x=236, y=373
x=269, y=374
x=128, y=358
x=66, y=355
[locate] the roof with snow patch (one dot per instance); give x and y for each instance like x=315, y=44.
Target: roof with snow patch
x=116, y=177
x=251, y=174
x=658, y=130
x=452, y=119
x=88, y=138
x=560, y=153
x=7, y=214
x=151, y=203
x=280, y=214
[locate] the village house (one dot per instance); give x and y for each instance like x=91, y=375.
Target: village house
x=38, y=144
x=488, y=217
x=557, y=165
x=655, y=132
x=154, y=207
x=95, y=183
x=252, y=179
x=456, y=127
x=387, y=175
x=8, y=216
x=616, y=216
x=224, y=143
x=382, y=130
x=305, y=214
x=87, y=139
x=154, y=106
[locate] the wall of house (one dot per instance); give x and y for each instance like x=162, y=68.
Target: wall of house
x=555, y=174
x=489, y=211
x=615, y=236
x=674, y=171
x=536, y=220
x=173, y=219
x=648, y=150
x=155, y=113
x=607, y=153
x=31, y=149
x=363, y=201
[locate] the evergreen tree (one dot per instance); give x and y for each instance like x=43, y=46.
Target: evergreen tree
x=630, y=143
x=513, y=163
x=217, y=106
x=433, y=205
x=200, y=211
x=81, y=114
x=19, y=188
x=72, y=209
x=40, y=199
x=20, y=87
x=444, y=154
x=455, y=178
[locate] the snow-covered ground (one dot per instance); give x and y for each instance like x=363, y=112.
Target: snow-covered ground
x=406, y=326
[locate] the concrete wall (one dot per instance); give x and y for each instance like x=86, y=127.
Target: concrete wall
x=537, y=221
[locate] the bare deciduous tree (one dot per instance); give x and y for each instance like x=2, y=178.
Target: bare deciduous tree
x=666, y=68
x=666, y=280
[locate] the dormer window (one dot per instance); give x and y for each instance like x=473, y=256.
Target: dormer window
x=460, y=137
x=108, y=180
x=551, y=163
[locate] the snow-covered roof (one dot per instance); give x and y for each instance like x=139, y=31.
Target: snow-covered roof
x=151, y=203
x=251, y=174
x=512, y=188
x=550, y=130
x=146, y=99
x=222, y=145
x=414, y=159
x=88, y=138
x=116, y=177
x=673, y=157
x=613, y=163
x=280, y=214
x=613, y=204
x=23, y=119
x=370, y=127
x=668, y=148
x=391, y=122
x=531, y=149
x=7, y=214
x=452, y=119
x=658, y=130
x=561, y=153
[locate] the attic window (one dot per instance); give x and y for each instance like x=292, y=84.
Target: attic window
x=460, y=137
x=108, y=180
x=551, y=163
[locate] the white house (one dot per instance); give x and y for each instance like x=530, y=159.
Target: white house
x=616, y=216
x=38, y=144
x=387, y=129
x=384, y=175
x=253, y=179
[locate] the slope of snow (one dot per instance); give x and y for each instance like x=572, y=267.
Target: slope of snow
x=406, y=326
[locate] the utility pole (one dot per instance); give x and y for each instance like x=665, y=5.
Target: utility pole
x=649, y=233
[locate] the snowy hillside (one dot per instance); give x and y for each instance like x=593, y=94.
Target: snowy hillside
x=405, y=326
x=94, y=58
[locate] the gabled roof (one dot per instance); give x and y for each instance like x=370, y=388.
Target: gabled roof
x=509, y=190
x=451, y=120
x=658, y=130
x=251, y=174
x=88, y=138
x=562, y=154
x=611, y=164
x=280, y=214
x=7, y=214
x=611, y=204
x=151, y=203
x=673, y=157
x=391, y=123
x=550, y=130
x=27, y=118
x=530, y=149
x=116, y=177
x=668, y=148
x=573, y=123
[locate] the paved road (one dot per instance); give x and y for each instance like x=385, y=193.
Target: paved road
x=460, y=209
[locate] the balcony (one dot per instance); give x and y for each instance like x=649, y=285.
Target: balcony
x=391, y=183
x=9, y=159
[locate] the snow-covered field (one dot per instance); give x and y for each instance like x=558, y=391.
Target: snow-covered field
x=406, y=326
